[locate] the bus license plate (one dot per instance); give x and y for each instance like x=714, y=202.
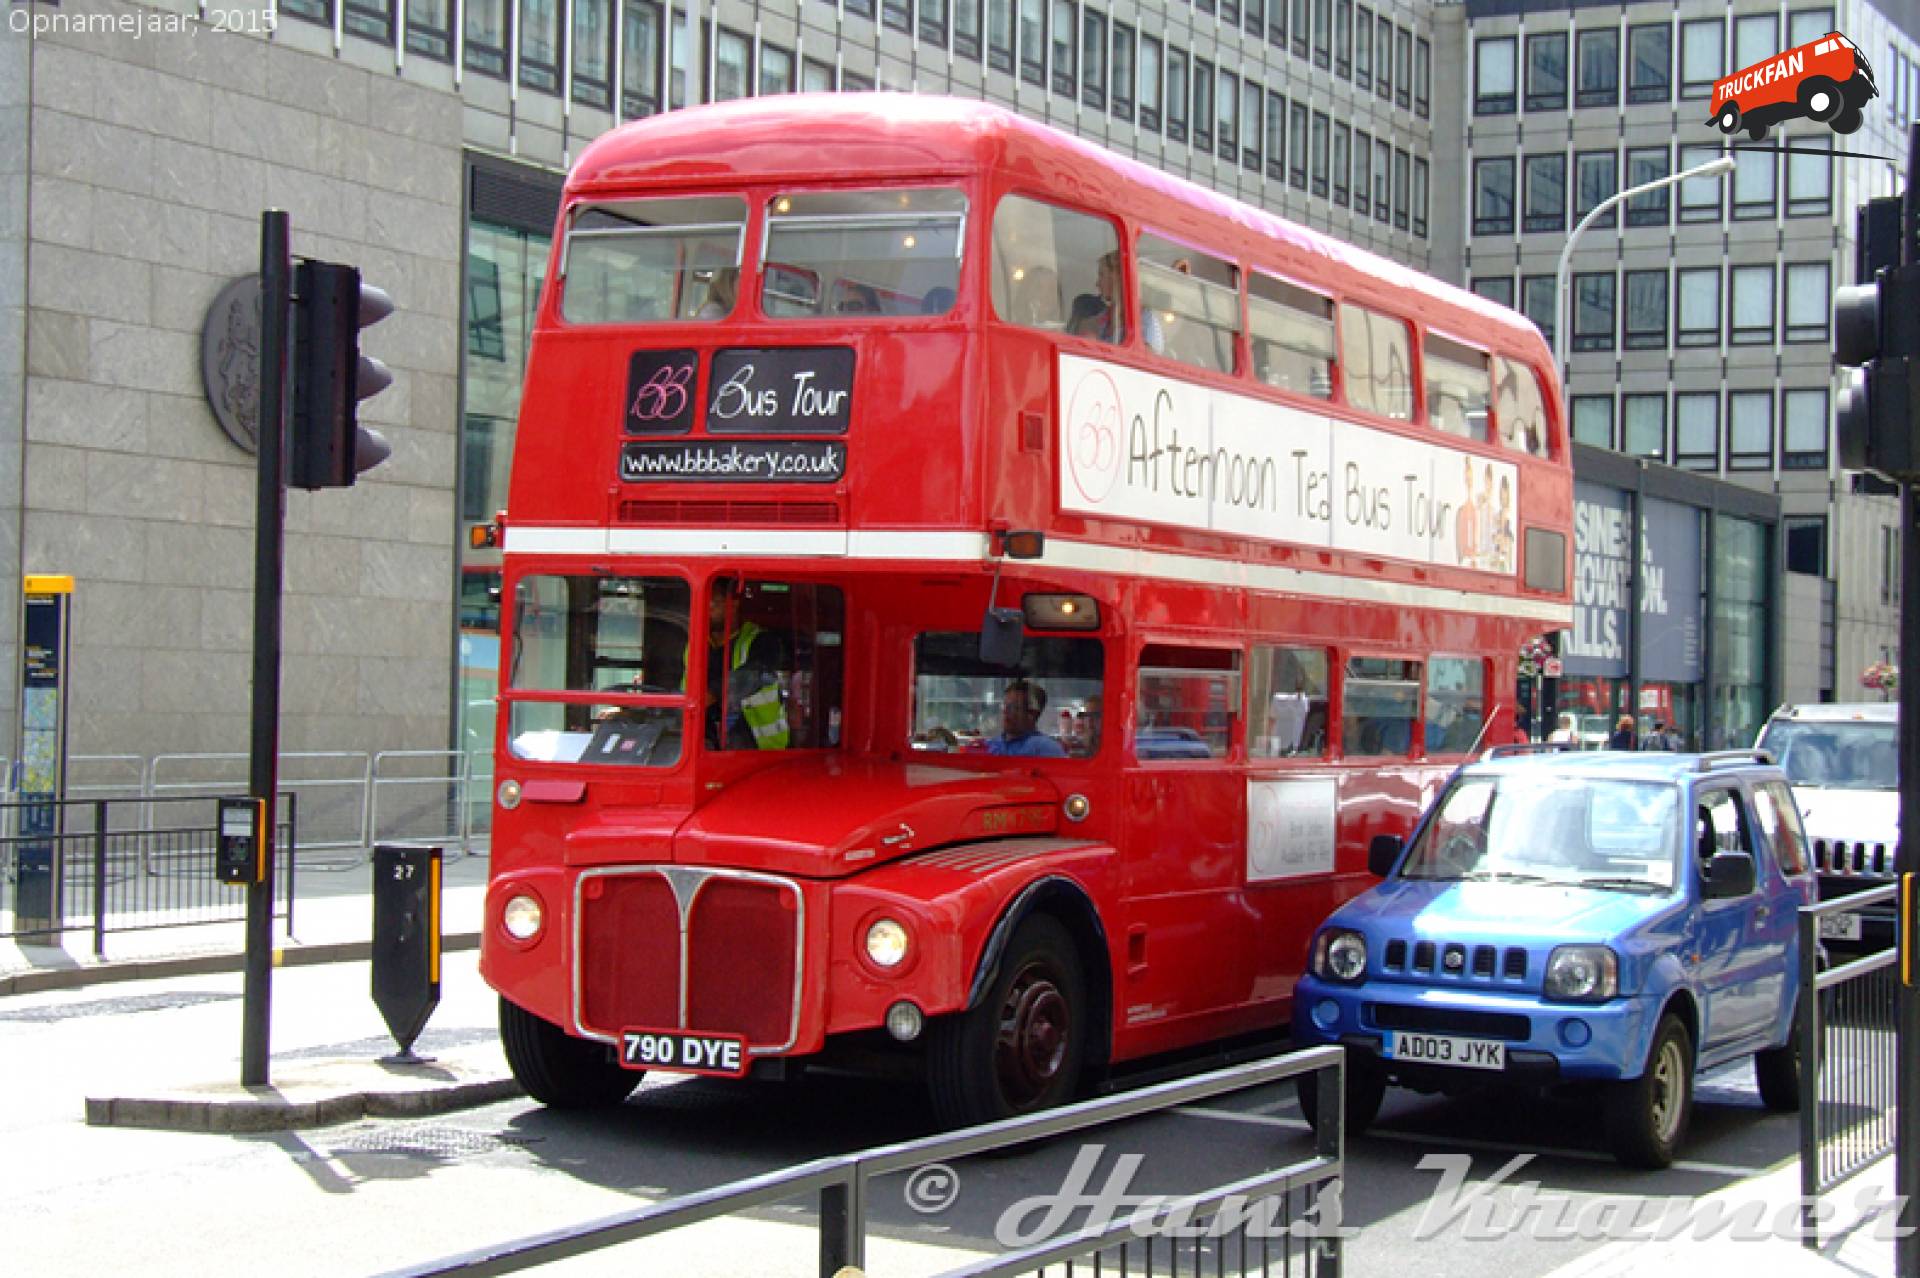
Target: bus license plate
x=1438, y=1049
x=724, y=1055
x=1840, y=927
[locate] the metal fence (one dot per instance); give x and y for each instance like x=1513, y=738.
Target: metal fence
x=1847, y=1014
x=1250, y=1242
x=125, y=865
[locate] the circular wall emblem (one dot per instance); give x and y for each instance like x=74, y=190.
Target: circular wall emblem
x=230, y=361
x=1093, y=435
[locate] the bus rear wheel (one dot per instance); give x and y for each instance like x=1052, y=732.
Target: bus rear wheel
x=1820, y=98
x=558, y=1069
x=1021, y=1049
x=1848, y=121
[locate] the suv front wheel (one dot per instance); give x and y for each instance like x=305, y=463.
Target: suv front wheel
x=1647, y=1116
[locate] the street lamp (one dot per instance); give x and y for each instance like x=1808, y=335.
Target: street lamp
x=1562, y=318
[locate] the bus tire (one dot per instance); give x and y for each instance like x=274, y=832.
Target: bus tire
x=558, y=1069
x=1758, y=132
x=1820, y=98
x=1848, y=121
x=1020, y=1050
x=1647, y=1116
x=1728, y=120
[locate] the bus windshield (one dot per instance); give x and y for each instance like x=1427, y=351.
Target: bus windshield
x=857, y=253
x=1559, y=830
x=961, y=704
x=1836, y=756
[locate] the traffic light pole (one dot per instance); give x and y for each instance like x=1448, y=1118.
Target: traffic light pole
x=276, y=286
x=1906, y=1046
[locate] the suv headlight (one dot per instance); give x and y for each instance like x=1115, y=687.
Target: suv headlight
x=1583, y=974
x=1340, y=954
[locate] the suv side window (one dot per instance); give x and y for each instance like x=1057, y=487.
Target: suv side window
x=1779, y=820
x=1720, y=825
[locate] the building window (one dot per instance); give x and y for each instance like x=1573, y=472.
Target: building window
x=1700, y=199
x=1593, y=420
x=1804, y=26
x=1753, y=184
x=1593, y=311
x=486, y=33
x=1402, y=186
x=1547, y=72
x=1750, y=311
x=1809, y=300
x=1322, y=152
x=1696, y=430
x=1362, y=174
x=1646, y=318
x=1495, y=288
x=1749, y=430
x=1302, y=26
x=1546, y=193
x=1343, y=38
x=1226, y=100
x=1539, y=302
x=1033, y=46
x=1650, y=63
x=1703, y=55
x=1250, y=95
x=1595, y=180
x=640, y=59
x=1093, y=59
x=1648, y=164
x=1177, y=94
x=933, y=22
x=1806, y=543
x=430, y=29
x=1402, y=67
x=1493, y=196
x=373, y=19
x=895, y=15
x=1810, y=179
x=1202, y=104
x=1382, y=167
x=1297, y=144
x=1363, y=47
x=1756, y=37
x=1643, y=426
x=1123, y=70
x=1277, y=137
x=1422, y=78
x=776, y=69
x=1697, y=306
x=1890, y=566
x=1150, y=55
x=1420, y=198
x=816, y=76
x=1066, y=25
x=966, y=29
x=1256, y=16
x=1342, y=162
x=1383, y=57
x=732, y=65
x=1493, y=79
x=1803, y=429
x=1323, y=33
x=1597, y=67
x=1000, y=31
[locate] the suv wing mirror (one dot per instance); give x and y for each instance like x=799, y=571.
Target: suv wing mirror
x=1382, y=853
x=1729, y=874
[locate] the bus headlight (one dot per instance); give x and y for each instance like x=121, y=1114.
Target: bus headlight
x=1582, y=974
x=886, y=943
x=522, y=917
x=1340, y=954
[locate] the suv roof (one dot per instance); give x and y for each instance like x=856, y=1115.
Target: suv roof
x=1842, y=712
x=1650, y=765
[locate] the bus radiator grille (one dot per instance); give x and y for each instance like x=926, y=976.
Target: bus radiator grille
x=629, y=954
x=742, y=961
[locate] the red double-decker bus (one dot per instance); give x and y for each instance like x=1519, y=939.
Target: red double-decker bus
x=969, y=599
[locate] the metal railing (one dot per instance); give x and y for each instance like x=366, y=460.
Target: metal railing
x=843, y=1184
x=1847, y=1016
x=128, y=865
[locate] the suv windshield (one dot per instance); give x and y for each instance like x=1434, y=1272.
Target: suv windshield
x=1838, y=756
x=1530, y=827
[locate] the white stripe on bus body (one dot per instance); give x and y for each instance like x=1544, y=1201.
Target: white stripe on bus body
x=969, y=548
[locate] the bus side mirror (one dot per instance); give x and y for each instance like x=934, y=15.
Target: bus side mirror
x=1001, y=635
x=1382, y=853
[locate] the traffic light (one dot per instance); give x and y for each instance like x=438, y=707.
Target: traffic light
x=330, y=447
x=1877, y=328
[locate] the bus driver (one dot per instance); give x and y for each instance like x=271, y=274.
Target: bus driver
x=1020, y=710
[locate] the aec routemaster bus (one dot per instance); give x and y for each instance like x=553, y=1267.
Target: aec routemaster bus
x=969, y=599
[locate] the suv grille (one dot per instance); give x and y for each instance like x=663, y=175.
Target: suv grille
x=1457, y=960
x=1837, y=856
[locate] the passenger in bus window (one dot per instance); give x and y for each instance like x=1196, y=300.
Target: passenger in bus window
x=1098, y=314
x=1020, y=710
x=859, y=299
x=937, y=301
x=722, y=287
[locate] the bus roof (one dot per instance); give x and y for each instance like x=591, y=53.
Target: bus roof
x=886, y=135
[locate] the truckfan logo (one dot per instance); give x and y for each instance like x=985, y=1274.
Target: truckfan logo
x=1827, y=80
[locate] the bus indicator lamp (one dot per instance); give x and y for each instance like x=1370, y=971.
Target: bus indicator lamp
x=329, y=446
x=905, y=1021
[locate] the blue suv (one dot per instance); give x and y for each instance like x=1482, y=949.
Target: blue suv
x=1612, y=920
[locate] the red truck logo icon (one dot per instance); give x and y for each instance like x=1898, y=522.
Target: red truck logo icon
x=1827, y=80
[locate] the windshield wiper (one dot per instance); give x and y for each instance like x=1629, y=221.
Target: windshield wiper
x=1625, y=885
x=1504, y=876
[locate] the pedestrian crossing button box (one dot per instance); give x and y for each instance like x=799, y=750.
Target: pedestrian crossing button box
x=240, y=848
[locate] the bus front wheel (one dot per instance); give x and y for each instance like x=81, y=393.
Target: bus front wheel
x=1820, y=98
x=558, y=1069
x=1020, y=1050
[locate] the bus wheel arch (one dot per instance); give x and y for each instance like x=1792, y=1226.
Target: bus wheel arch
x=558, y=1069
x=1820, y=98
x=1037, y=1013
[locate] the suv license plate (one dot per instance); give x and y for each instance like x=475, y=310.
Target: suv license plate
x=1439, y=1049
x=1840, y=927
x=724, y=1055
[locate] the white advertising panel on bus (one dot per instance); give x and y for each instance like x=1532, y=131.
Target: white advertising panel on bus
x=1290, y=828
x=1142, y=447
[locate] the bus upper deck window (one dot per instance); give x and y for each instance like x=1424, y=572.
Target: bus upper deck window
x=1292, y=331
x=1189, y=304
x=859, y=253
x=1458, y=387
x=1376, y=361
x=652, y=261
x=1519, y=407
x=1043, y=256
